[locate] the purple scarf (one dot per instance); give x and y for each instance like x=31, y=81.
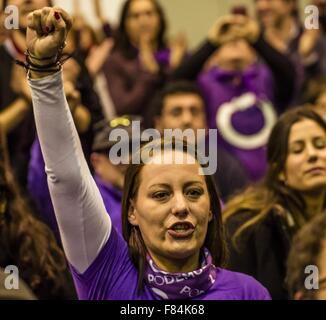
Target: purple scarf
x=180, y=286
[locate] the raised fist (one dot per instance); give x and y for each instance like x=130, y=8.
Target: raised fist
x=231, y=27
x=46, y=33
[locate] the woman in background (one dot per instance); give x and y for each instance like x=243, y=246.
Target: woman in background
x=262, y=220
x=141, y=58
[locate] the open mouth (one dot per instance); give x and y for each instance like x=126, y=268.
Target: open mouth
x=181, y=230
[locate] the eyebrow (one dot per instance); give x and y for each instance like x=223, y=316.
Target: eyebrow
x=302, y=140
x=165, y=185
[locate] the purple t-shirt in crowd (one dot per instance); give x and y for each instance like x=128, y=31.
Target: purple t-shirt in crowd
x=240, y=106
x=112, y=276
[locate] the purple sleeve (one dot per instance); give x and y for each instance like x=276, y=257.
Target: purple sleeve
x=111, y=276
x=38, y=187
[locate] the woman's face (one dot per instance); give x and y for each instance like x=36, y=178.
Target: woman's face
x=142, y=21
x=172, y=211
x=271, y=12
x=27, y=6
x=235, y=56
x=305, y=167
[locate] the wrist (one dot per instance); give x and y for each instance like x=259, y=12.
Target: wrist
x=43, y=62
x=39, y=75
x=26, y=98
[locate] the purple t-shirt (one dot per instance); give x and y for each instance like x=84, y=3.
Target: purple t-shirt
x=112, y=276
x=240, y=106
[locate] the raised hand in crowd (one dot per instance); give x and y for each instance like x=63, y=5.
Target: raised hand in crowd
x=98, y=55
x=46, y=34
x=178, y=46
x=19, y=83
x=80, y=113
x=146, y=54
x=232, y=27
x=308, y=43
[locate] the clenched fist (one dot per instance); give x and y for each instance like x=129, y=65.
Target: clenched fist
x=46, y=34
x=231, y=27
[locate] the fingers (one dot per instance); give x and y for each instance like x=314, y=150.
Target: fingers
x=45, y=20
x=38, y=22
x=65, y=16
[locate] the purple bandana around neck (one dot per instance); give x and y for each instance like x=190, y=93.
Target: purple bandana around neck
x=180, y=286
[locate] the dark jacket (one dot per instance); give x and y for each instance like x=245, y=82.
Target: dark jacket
x=261, y=250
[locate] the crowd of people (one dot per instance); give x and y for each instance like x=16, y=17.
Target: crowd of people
x=77, y=224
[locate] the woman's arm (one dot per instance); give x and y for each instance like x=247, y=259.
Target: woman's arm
x=282, y=68
x=83, y=222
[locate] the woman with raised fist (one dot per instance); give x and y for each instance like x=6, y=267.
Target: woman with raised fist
x=173, y=246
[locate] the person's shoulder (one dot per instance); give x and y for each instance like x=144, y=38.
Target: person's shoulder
x=116, y=60
x=259, y=230
x=239, y=217
x=241, y=286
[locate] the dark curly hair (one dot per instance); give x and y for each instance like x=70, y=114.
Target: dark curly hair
x=27, y=242
x=306, y=250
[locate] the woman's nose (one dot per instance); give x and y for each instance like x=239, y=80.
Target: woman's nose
x=312, y=153
x=180, y=206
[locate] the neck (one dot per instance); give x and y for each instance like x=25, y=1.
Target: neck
x=315, y=201
x=178, y=265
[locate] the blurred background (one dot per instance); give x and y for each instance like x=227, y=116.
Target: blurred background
x=195, y=21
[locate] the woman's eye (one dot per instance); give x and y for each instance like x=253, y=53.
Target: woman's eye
x=194, y=193
x=319, y=143
x=160, y=195
x=297, y=148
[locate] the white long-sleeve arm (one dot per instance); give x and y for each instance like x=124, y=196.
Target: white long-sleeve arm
x=83, y=221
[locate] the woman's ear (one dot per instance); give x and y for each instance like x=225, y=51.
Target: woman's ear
x=210, y=216
x=281, y=176
x=132, y=214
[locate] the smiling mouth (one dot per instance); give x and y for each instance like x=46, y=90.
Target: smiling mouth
x=181, y=230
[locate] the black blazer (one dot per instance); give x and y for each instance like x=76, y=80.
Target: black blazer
x=261, y=250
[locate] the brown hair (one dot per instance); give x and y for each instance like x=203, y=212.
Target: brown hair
x=122, y=40
x=215, y=239
x=272, y=193
x=24, y=240
x=307, y=247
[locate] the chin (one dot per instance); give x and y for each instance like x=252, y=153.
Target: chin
x=182, y=250
x=316, y=185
